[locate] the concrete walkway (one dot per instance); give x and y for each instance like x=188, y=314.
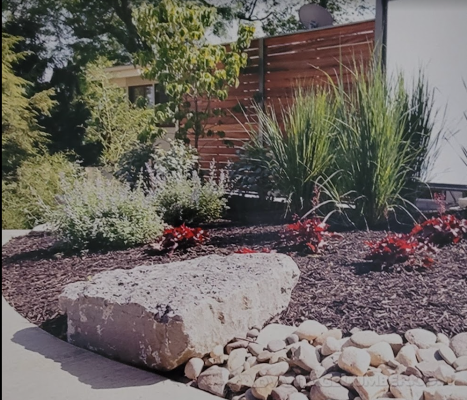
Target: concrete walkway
x=38, y=366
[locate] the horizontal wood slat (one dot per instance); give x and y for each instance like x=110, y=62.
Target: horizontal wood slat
x=302, y=58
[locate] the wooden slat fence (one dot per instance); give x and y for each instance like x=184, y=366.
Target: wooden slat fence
x=275, y=66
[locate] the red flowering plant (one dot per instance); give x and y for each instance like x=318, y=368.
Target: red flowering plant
x=309, y=232
x=440, y=231
x=180, y=237
x=400, y=249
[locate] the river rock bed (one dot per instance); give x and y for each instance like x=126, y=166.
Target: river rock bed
x=313, y=362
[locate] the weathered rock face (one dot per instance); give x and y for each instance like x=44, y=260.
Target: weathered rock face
x=160, y=316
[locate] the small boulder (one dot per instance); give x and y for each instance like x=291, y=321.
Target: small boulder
x=274, y=332
x=371, y=387
x=330, y=362
x=428, y=368
x=193, y=368
x=283, y=392
x=236, y=360
x=264, y=386
x=445, y=373
x=213, y=380
x=394, y=340
x=460, y=364
x=431, y=354
x=264, y=356
x=217, y=351
x=291, y=339
x=328, y=390
x=246, y=379
x=421, y=338
x=304, y=356
x=406, y=387
x=459, y=344
x=442, y=338
x=380, y=353
x=331, y=345
x=407, y=356
x=365, y=339
x=447, y=354
x=460, y=378
x=299, y=382
x=252, y=333
x=335, y=333
x=310, y=330
x=255, y=348
x=276, y=345
x=277, y=369
x=355, y=361
x=287, y=379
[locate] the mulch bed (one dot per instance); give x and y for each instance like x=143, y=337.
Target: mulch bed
x=337, y=288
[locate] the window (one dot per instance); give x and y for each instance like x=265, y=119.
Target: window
x=146, y=92
x=151, y=95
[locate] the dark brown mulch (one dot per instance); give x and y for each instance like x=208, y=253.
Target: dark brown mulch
x=337, y=288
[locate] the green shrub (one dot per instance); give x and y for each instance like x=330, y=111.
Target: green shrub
x=179, y=160
x=191, y=200
x=115, y=123
x=299, y=149
x=38, y=181
x=100, y=213
x=384, y=135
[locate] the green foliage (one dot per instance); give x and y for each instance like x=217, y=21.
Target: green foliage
x=115, y=123
x=192, y=71
x=38, y=182
x=384, y=135
x=299, y=149
x=178, y=160
x=189, y=199
x=250, y=172
x=101, y=213
x=21, y=133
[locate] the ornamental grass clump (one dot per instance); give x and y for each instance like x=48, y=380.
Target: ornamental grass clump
x=384, y=137
x=100, y=213
x=299, y=142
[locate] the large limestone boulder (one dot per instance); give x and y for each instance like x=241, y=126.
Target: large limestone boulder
x=160, y=316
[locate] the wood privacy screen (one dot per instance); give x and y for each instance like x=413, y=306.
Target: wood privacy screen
x=276, y=65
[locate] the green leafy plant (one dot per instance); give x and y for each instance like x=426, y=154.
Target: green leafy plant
x=38, y=181
x=190, y=199
x=384, y=136
x=298, y=143
x=101, y=213
x=193, y=72
x=178, y=160
x=250, y=172
x=22, y=135
x=116, y=124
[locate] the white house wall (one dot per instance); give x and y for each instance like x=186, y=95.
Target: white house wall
x=432, y=34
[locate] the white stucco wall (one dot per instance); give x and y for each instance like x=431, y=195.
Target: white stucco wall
x=433, y=34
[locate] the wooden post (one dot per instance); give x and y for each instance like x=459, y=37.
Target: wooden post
x=381, y=32
x=262, y=77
